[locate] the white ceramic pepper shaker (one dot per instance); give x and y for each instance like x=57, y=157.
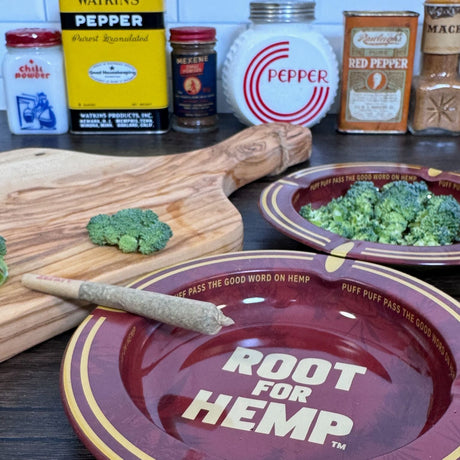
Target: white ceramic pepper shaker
x=280, y=69
x=34, y=82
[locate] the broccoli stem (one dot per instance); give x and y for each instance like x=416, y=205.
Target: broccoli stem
x=3, y=271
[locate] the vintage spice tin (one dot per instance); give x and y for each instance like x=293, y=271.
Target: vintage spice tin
x=194, y=79
x=378, y=57
x=116, y=66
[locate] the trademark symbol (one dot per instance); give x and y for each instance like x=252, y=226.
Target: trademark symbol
x=338, y=445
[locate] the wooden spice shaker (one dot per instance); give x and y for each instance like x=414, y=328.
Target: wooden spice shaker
x=435, y=105
x=194, y=69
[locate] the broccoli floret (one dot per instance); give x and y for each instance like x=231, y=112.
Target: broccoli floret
x=392, y=228
x=401, y=212
x=128, y=243
x=362, y=196
x=3, y=266
x=98, y=227
x=366, y=234
x=333, y=217
x=402, y=197
x=348, y=215
x=155, y=238
x=438, y=224
x=132, y=230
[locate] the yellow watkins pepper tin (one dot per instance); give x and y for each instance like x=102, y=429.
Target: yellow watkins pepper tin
x=115, y=58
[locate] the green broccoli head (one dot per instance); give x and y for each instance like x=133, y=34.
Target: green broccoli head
x=367, y=233
x=352, y=213
x=3, y=266
x=131, y=229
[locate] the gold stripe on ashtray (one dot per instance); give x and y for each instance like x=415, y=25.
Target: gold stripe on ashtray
x=330, y=167
x=399, y=278
x=83, y=424
x=455, y=455
x=224, y=258
x=70, y=396
x=439, y=256
x=291, y=226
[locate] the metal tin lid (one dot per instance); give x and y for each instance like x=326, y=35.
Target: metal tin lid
x=32, y=37
x=282, y=11
x=380, y=13
x=192, y=34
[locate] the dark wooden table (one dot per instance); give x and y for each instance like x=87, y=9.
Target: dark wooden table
x=32, y=422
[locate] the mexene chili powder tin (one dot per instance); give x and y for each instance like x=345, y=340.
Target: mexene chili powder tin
x=194, y=81
x=378, y=57
x=115, y=59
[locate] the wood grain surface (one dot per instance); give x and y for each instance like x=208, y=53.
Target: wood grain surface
x=33, y=424
x=47, y=196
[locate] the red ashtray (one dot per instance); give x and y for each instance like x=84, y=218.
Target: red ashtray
x=281, y=201
x=328, y=358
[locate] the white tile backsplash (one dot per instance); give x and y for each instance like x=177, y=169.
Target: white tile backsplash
x=228, y=17
x=171, y=11
x=213, y=11
x=22, y=10
x=52, y=10
x=331, y=11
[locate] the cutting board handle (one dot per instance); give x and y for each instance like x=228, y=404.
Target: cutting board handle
x=260, y=150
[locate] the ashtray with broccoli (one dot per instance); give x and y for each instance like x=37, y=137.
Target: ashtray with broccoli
x=400, y=212
x=387, y=213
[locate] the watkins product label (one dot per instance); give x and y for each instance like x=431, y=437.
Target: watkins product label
x=115, y=54
x=288, y=79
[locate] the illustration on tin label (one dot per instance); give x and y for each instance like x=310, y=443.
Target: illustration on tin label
x=35, y=112
x=371, y=91
x=192, y=85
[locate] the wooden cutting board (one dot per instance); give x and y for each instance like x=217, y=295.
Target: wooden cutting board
x=47, y=197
